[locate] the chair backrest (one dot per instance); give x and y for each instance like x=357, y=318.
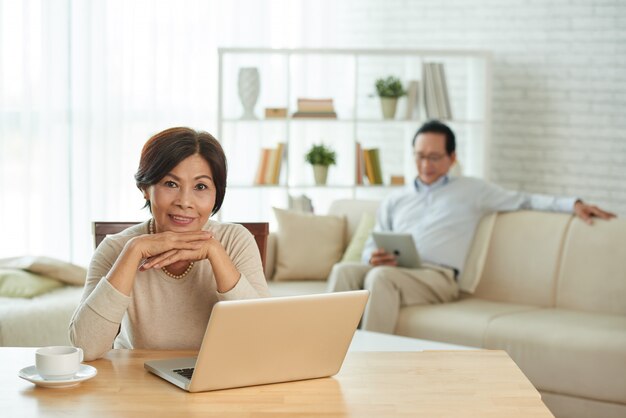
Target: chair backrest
x=260, y=230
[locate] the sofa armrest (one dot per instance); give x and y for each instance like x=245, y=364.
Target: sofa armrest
x=270, y=255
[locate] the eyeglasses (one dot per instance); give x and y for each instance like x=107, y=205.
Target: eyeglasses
x=432, y=158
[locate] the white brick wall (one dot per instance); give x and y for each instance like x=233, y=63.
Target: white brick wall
x=559, y=88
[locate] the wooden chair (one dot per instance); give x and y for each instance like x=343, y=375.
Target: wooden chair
x=260, y=230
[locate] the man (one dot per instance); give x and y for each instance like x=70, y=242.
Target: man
x=441, y=213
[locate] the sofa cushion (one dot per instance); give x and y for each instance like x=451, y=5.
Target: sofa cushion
x=352, y=210
x=308, y=245
x=361, y=234
x=24, y=284
x=296, y=287
x=523, y=257
x=475, y=261
x=50, y=267
x=567, y=352
x=592, y=276
x=462, y=322
x=575, y=407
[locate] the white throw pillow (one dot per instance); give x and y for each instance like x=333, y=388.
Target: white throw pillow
x=308, y=245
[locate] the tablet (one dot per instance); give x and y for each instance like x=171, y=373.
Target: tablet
x=400, y=245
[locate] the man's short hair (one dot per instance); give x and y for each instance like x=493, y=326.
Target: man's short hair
x=439, y=128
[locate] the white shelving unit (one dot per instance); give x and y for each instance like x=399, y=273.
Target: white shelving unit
x=347, y=76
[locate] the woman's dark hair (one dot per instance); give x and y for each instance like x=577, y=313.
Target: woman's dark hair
x=168, y=148
x=439, y=128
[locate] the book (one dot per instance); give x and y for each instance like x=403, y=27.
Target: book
x=331, y=115
x=375, y=158
x=358, y=163
x=369, y=171
x=262, y=167
x=372, y=166
x=438, y=90
x=277, y=162
x=314, y=102
x=307, y=106
x=309, y=100
x=430, y=107
x=320, y=109
x=412, y=96
x=267, y=175
x=444, y=90
x=436, y=98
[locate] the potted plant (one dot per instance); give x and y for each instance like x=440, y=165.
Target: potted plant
x=320, y=157
x=389, y=90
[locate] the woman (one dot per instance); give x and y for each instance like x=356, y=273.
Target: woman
x=154, y=284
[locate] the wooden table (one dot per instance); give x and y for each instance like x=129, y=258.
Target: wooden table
x=471, y=383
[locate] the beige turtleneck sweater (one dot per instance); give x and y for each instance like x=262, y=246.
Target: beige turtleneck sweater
x=162, y=312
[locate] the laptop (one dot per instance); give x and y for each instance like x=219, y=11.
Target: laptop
x=269, y=340
x=401, y=245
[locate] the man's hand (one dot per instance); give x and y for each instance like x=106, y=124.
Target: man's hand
x=586, y=212
x=381, y=258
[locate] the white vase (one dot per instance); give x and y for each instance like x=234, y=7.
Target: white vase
x=248, y=84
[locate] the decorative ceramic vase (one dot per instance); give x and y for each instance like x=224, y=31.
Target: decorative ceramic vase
x=388, y=105
x=248, y=84
x=320, y=172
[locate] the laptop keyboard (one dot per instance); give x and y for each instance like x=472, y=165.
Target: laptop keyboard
x=185, y=372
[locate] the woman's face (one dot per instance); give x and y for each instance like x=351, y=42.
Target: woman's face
x=183, y=199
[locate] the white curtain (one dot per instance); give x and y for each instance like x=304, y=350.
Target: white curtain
x=83, y=84
x=34, y=129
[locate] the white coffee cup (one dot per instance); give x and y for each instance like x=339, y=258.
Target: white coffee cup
x=58, y=362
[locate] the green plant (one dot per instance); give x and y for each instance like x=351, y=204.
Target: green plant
x=320, y=155
x=390, y=87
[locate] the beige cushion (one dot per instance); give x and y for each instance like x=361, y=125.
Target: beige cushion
x=296, y=287
x=352, y=210
x=270, y=255
x=363, y=231
x=463, y=322
x=475, y=262
x=50, y=267
x=24, y=284
x=568, y=352
x=574, y=407
x=592, y=276
x=523, y=258
x=308, y=245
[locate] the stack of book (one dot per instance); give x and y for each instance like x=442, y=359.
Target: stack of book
x=368, y=164
x=270, y=161
x=315, y=108
x=436, y=99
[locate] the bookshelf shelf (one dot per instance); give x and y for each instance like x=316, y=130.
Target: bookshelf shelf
x=347, y=76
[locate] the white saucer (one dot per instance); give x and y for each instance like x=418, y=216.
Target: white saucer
x=85, y=372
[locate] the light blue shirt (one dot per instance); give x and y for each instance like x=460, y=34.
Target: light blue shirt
x=443, y=216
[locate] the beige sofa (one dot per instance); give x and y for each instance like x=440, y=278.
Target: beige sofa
x=547, y=288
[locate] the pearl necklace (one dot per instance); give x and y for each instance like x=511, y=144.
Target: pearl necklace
x=173, y=276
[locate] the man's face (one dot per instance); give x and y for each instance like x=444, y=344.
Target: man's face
x=431, y=158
